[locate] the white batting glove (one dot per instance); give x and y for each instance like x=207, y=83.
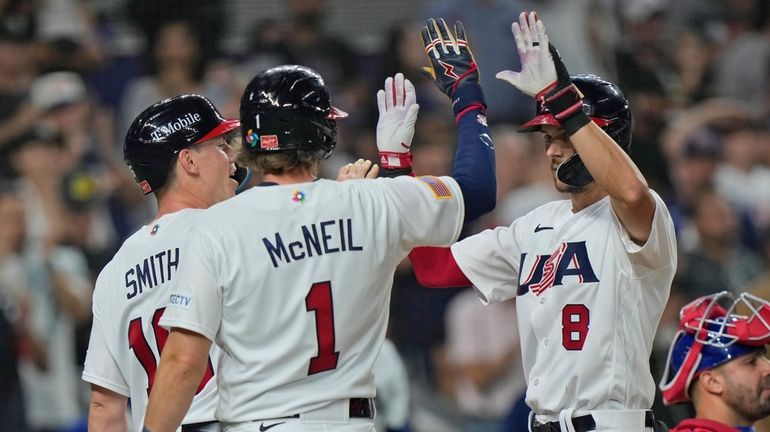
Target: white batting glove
x=538, y=73
x=395, y=126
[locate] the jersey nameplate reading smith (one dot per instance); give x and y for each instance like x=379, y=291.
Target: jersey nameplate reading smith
x=153, y=270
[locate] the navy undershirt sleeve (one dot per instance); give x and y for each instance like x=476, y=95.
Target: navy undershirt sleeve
x=474, y=164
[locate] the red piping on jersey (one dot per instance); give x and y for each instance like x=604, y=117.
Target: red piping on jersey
x=435, y=267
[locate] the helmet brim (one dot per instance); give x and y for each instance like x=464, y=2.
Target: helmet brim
x=221, y=129
x=336, y=114
x=547, y=119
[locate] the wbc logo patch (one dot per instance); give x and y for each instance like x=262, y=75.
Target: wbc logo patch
x=268, y=141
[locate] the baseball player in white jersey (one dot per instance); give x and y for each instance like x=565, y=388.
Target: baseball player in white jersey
x=292, y=279
x=591, y=275
x=176, y=149
x=184, y=135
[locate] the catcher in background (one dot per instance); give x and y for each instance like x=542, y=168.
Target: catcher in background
x=717, y=361
x=590, y=275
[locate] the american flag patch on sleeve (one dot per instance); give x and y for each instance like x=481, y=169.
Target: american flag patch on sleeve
x=440, y=189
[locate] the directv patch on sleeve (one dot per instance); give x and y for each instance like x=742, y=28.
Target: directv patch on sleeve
x=180, y=300
x=440, y=189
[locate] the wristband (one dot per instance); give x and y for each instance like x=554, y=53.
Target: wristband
x=467, y=94
x=394, y=160
x=566, y=105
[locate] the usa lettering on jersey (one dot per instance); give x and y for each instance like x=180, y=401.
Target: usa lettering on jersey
x=569, y=259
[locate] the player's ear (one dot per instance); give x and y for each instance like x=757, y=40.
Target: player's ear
x=712, y=382
x=186, y=161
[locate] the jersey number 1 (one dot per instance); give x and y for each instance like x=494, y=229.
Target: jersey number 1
x=319, y=300
x=138, y=343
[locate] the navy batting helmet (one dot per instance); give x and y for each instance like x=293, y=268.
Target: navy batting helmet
x=711, y=335
x=606, y=106
x=158, y=134
x=288, y=108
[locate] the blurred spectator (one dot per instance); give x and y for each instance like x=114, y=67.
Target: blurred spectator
x=65, y=36
x=524, y=179
x=206, y=18
x=35, y=158
x=693, y=60
x=307, y=42
x=585, y=47
x=13, y=320
x=719, y=262
x=267, y=48
x=692, y=173
x=17, y=113
x=741, y=178
x=640, y=57
x=88, y=148
x=18, y=19
x=53, y=280
x=650, y=106
x=404, y=53
x=487, y=24
x=484, y=357
x=310, y=44
x=177, y=66
x=743, y=71
x=392, y=384
x=693, y=149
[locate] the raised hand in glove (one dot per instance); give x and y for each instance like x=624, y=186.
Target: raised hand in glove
x=398, y=108
x=452, y=68
x=543, y=74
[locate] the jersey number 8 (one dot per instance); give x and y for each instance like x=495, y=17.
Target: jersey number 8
x=574, y=326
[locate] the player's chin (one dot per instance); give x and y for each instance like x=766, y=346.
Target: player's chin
x=232, y=185
x=561, y=187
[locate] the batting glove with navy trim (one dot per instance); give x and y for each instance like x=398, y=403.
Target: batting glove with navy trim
x=453, y=67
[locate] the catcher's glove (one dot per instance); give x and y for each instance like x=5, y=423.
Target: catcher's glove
x=452, y=68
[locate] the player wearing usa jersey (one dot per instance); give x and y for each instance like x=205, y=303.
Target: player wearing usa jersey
x=293, y=279
x=717, y=361
x=177, y=150
x=590, y=275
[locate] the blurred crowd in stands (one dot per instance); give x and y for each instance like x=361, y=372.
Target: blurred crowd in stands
x=74, y=73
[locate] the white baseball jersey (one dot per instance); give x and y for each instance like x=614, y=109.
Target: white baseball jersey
x=294, y=281
x=588, y=301
x=129, y=299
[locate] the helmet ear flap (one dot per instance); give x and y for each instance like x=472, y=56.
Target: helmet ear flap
x=573, y=172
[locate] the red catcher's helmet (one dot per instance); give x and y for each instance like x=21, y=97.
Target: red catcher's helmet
x=711, y=334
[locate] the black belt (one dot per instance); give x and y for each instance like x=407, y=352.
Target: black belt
x=357, y=408
x=584, y=424
x=211, y=426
